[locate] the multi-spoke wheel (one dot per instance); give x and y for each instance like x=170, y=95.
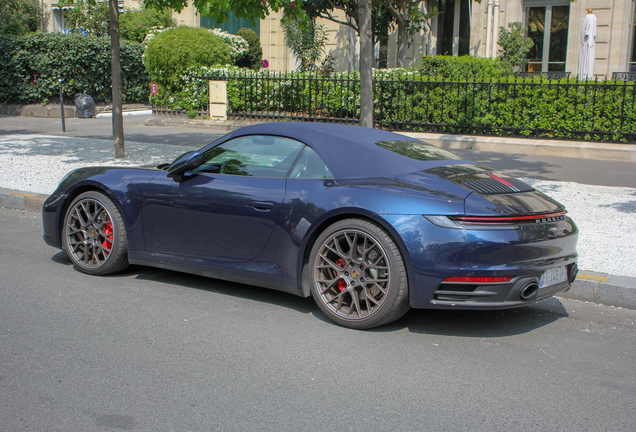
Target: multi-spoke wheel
x=94, y=236
x=359, y=278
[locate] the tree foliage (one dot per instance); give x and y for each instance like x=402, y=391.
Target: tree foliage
x=252, y=10
x=514, y=45
x=134, y=25
x=18, y=17
x=86, y=18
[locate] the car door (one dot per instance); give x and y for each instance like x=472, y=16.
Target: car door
x=226, y=208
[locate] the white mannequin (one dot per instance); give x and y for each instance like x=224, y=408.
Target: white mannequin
x=587, y=55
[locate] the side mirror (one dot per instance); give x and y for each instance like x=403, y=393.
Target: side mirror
x=186, y=162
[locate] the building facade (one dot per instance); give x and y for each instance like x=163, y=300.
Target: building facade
x=54, y=15
x=463, y=27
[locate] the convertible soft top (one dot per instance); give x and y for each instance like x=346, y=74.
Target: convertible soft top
x=349, y=151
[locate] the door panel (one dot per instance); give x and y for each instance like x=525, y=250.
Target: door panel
x=211, y=216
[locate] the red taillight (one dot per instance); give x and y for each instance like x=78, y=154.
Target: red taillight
x=548, y=217
x=478, y=279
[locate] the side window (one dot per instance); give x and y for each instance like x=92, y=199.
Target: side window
x=310, y=166
x=255, y=155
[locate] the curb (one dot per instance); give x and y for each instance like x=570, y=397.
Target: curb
x=573, y=149
x=224, y=126
x=591, y=287
x=22, y=200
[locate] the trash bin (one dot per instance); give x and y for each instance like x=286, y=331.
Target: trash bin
x=84, y=106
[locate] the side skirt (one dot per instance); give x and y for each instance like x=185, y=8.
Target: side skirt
x=249, y=273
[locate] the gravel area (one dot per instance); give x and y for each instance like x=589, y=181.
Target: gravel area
x=606, y=216
x=38, y=163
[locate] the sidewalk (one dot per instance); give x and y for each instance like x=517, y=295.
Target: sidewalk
x=573, y=149
x=591, y=287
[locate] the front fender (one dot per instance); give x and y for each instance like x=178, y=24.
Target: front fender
x=123, y=186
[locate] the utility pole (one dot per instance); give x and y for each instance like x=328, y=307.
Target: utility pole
x=118, y=120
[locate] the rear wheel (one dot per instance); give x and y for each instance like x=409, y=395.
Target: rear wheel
x=358, y=275
x=94, y=235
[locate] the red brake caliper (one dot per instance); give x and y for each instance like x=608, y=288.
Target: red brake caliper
x=108, y=230
x=342, y=284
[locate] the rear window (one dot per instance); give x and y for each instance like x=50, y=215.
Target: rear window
x=417, y=150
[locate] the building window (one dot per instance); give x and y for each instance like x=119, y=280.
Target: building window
x=231, y=25
x=550, y=45
x=453, y=27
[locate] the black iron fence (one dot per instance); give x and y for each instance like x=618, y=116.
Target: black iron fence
x=516, y=107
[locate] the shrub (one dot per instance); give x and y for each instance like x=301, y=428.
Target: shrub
x=306, y=40
x=467, y=67
x=18, y=17
x=82, y=62
x=514, y=45
x=254, y=56
x=134, y=25
x=179, y=48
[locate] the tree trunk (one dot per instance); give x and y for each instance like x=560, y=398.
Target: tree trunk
x=366, y=64
x=118, y=121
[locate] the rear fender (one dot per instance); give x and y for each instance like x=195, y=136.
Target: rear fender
x=303, y=271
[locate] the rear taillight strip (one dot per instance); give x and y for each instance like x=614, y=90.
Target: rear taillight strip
x=538, y=218
x=478, y=279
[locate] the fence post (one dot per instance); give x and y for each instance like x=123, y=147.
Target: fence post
x=218, y=100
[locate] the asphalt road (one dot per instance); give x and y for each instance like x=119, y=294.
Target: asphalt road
x=154, y=350
x=586, y=171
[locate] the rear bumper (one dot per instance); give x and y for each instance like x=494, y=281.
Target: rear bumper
x=524, y=252
x=520, y=291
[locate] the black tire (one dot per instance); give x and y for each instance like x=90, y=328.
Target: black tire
x=358, y=277
x=94, y=235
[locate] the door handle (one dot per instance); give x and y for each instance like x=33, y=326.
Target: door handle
x=260, y=205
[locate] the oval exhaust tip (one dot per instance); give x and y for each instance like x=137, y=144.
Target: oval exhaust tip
x=529, y=291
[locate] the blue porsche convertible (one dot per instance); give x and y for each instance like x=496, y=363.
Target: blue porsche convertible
x=368, y=222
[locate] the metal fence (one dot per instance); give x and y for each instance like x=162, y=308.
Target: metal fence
x=516, y=107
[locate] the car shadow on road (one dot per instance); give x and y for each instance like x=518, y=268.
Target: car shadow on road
x=462, y=323
x=493, y=323
x=500, y=323
x=217, y=286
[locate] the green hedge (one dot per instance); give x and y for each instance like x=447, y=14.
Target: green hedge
x=466, y=67
x=179, y=48
x=505, y=106
x=82, y=62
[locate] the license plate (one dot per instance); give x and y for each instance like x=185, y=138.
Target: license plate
x=553, y=276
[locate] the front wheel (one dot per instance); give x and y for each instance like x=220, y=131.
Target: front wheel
x=358, y=275
x=94, y=236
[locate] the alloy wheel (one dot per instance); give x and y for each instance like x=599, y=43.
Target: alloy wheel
x=352, y=274
x=89, y=233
